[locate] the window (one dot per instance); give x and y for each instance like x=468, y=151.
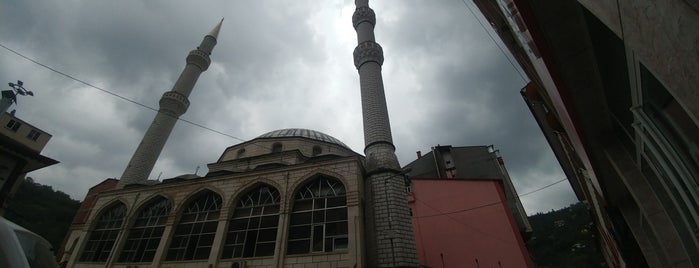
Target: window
x=317, y=150
x=252, y=231
x=194, y=234
x=276, y=147
x=104, y=234
x=33, y=134
x=144, y=236
x=13, y=125
x=241, y=152
x=319, y=218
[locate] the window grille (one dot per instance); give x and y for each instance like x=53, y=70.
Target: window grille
x=319, y=218
x=252, y=231
x=144, y=237
x=194, y=234
x=104, y=234
x=33, y=135
x=13, y=125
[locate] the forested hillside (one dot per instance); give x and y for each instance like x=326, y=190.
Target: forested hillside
x=42, y=210
x=565, y=238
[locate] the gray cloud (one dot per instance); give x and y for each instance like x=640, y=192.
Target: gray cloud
x=277, y=64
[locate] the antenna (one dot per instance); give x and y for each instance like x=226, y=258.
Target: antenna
x=10, y=96
x=19, y=87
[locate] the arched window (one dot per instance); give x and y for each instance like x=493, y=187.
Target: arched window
x=241, y=152
x=104, y=234
x=319, y=218
x=252, y=231
x=194, y=234
x=144, y=236
x=276, y=147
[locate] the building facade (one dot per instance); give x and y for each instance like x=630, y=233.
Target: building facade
x=20, y=152
x=614, y=91
x=465, y=211
x=286, y=198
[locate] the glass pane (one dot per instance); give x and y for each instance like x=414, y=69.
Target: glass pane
x=338, y=214
x=297, y=232
x=269, y=221
x=336, y=201
x=302, y=205
x=300, y=218
x=319, y=216
x=266, y=235
x=264, y=249
x=241, y=224
x=242, y=212
x=299, y=246
x=318, y=238
x=336, y=228
x=341, y=243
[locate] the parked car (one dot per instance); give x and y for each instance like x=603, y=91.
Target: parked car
x=20, y=248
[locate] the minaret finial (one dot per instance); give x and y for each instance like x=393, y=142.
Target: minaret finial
x=216, y=29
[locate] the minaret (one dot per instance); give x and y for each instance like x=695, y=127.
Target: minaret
x=173, y=104
x=389, y=228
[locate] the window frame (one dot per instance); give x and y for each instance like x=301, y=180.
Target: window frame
x=155, y=214
x=13, y=125
x=34, y=135
x=185, y=240
x=239, y=242
x=105, y=230
x=310, y=217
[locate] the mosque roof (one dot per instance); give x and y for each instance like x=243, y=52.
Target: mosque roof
x=303, y=133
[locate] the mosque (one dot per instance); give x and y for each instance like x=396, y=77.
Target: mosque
x=287, y=198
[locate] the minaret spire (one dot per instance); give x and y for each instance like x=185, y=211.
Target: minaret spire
x=390, y=240
x=216, y=29
x=173, y=104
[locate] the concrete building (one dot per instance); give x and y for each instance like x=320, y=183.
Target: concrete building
x=465, y=211
x=20, y=152
x=614, y=91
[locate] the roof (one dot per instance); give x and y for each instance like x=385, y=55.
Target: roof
x=303, y=133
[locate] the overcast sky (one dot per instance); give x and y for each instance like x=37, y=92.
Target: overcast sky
x=278, y=64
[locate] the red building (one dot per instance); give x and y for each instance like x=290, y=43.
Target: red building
x=465, y=211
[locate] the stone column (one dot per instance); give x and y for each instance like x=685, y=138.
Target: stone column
x=389, y=229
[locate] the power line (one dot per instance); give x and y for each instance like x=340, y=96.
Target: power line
x=459, y=222
x=115, y=94
x=489, y=204
x=496, y=43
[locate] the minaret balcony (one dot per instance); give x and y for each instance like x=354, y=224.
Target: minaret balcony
x=199, y=58
x=363, y=14
x=366, y=52
x=174, y=102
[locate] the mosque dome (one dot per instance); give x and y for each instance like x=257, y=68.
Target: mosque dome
x=303, y=133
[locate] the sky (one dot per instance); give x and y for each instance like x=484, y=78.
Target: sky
x=277, y=64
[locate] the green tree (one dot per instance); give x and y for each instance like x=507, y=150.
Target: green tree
x=42, y=210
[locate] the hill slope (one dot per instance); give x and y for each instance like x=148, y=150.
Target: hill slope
x=42, y=210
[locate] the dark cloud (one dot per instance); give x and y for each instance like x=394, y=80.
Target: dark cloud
x=277, y=64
